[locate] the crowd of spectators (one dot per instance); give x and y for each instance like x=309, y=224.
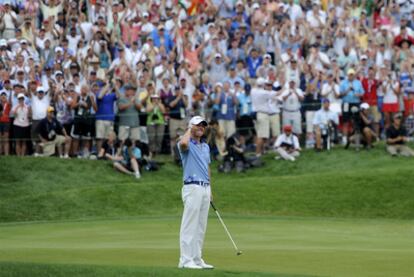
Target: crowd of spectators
x=74, y=72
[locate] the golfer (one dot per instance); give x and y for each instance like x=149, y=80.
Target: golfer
x=196, y=193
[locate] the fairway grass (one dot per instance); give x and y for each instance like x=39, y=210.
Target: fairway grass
x=149, y=247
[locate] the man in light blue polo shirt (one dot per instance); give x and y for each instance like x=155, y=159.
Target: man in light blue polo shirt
x=351, y=91
x=196, y=193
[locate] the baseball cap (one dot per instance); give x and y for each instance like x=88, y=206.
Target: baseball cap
x=195, y=120
x=40, y=89
x=50, y=109
x=3, y=42
x=218, y=55
x=3, y=92
x=218, y=84
x=351, y=71
x=20, y=95
x=260, y=81
x=287, y=128
x=325, y=100
x=267, y=56
x=364, y=106
x=364, y=57
x=145, y=14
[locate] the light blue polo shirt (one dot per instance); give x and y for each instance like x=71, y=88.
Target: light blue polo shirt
x=351, y=96
x=195, y=161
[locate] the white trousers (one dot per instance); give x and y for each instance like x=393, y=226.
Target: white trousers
x=194, y=223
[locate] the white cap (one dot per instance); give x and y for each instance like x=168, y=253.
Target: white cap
x=23, y=41
x=145, y=14
x=267, y=56
x=255, y=6
x=195, y=120
x=40, y=89
x=218, y=84
x=364, y=106
x=260, y=81
x=58, y=73
x=364, y=57
x=276, y=84
x=3, y=42
x=218, y=55
x=20, y=95
x=57, y=49
x=239, y=2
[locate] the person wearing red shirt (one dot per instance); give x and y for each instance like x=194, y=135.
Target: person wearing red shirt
x=370, y=85
x=4, y=123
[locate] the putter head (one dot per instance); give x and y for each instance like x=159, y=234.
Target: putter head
x=239, y=253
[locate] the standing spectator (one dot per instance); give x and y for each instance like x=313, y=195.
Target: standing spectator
x=82, y=127
x=254, y=61
x=4, y=123
x=287, y=144
x=52, y=135
x=177, y=104
x=227, y=102
x=370, y=85
x=391, y=90
x=312, y=103
x=396, y=139
x=155, y=124
x=40, y=103
x=129, y=106
x=21, y=124
x=105, y=115
x=292, y=98
x=351, y=91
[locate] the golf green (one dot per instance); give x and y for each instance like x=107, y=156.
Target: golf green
x=303, y=246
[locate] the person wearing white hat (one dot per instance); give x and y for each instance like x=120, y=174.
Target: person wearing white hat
x=196, y=194
x=21, y=124
x=366, y=125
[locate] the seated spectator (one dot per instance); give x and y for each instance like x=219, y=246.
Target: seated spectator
x=396, y=139
x=110, y=148
x=323, y=121
x=127, y=161
x=52, y=135
x=287, y=145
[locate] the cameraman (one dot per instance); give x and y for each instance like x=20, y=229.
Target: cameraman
x=351, y=91
x=323, y=121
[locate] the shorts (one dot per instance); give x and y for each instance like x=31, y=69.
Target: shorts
x=21, y=133
x=245, y=125
x=391, y=107
x=263, y=125
x=294, y=119
x=176, y=125
x=346, y=111
x=49, y=147
x=229, y=127
x=104, y=128
x=128, y=132
x=4, y=127
x=34, y=132
x=82, y=127
x=275, y=124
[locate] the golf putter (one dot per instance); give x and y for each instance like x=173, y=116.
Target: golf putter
x=238, y=252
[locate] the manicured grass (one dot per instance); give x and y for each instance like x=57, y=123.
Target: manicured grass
x=149, y=247
x=330, y=184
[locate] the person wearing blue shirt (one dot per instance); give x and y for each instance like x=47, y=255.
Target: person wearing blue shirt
x=105, y=115
x=226, y=115
x=351, y=91
x=196, y=194
x=253, y=62
x=244, y=121
x=161, y=34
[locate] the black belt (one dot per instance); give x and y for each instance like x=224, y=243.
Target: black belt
x=198, y=183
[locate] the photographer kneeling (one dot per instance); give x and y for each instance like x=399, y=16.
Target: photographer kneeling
x=366, y=125
x=325, y=124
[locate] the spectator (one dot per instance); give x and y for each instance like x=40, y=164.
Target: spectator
x=390, y=89
x=40, y=101
x=110, y=148
x=227, y=103
x=370, y=85
x=351, y=91
x=287, y=144
x=155, y=124
x=129, y=106
x=4, y=123
x=21, y=124
x=177, y=104
x=366, y=125
x=323, y=122
x=127, y=161
x=52, y=135
x=396, y=139
x=292, y=98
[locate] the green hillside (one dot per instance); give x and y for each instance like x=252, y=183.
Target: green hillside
x=335, y=184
